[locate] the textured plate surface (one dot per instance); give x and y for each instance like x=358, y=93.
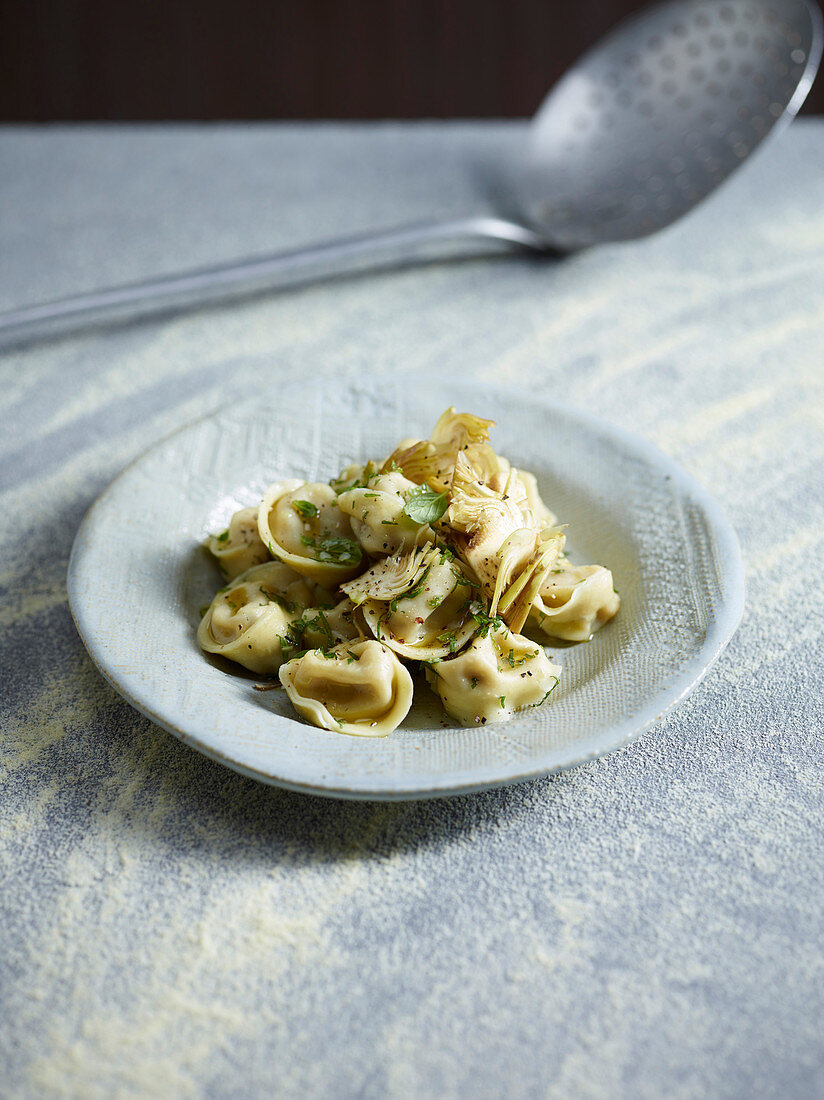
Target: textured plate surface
x=138, y=577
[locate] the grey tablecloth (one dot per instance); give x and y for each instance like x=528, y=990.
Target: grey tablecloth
x=648, y=925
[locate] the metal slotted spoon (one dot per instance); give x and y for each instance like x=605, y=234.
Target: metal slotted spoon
x=640, y=130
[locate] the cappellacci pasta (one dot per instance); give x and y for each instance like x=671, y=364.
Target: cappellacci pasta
x=432, y=561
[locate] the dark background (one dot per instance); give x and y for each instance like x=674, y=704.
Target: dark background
x=253, y=59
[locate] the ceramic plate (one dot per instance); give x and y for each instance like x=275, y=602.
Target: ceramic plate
x=138, y=577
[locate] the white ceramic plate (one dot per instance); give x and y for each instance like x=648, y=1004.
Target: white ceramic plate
x=138, y=578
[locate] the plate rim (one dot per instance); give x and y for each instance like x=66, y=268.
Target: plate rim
x=720, y=630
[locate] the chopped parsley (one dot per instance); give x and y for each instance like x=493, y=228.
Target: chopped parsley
x=320, y=623
x=485, y=621
x=515, y=662
x=275, y=597
x=224, y=537
x=546, y=694
x=334, y=548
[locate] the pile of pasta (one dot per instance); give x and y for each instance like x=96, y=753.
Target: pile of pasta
x=436, y=558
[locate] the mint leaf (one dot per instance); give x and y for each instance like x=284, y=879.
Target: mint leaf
x=305, y=508
x=424, y=505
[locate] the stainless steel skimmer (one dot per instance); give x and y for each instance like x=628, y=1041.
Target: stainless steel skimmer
x=646, y=125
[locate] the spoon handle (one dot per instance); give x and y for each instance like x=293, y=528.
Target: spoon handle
x=212, y=284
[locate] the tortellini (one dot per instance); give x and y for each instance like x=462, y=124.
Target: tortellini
x=575, y=601
x=240, y=546
x=249, y=619
x=379, y=522
x=356, y=687
x=425, y=617
x=496, y=676
x=303, y=526
x=440, y=554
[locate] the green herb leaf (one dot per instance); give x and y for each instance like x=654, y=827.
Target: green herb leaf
x=485, y=621
x=224, y=537
x=321, y=624
x=305, y=508
x=424, y=505
x=334, y=548
x=530, y=706
x=272, y=596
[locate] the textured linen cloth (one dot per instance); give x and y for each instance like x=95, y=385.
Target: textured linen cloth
x=647, y=925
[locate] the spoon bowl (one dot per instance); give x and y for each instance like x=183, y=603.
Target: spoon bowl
x=661, y=111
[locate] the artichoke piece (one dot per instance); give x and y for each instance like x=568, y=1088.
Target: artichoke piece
x=432, y=461
x=496, y=676
x=478, y=523
x=240, y=546
x=358, y=687
x=431, y=615
x=496, y=533
x=377, y=515
x=389, y=577
x=530, y=554
x=248, y=620
x=575, y=601
x=303, y=526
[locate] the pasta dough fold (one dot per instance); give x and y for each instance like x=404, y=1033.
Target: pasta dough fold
x=377, y=515
x=302, y=525
x=357, y=687
x=240, y=546
x=575, y=601
x=496, y=676
x=249, y=619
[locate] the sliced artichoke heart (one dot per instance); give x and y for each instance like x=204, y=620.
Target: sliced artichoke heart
x=390, y=577
x=433, y=460
x=516, y=602
x=478, y=522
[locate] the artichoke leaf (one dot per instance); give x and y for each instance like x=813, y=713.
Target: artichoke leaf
x=432, y=461
x=390, y=577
